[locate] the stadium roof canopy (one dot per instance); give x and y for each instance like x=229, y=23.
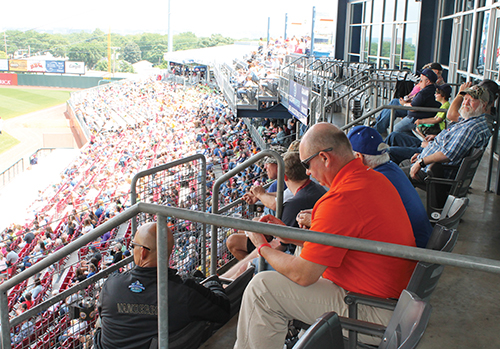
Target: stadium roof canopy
x=211, y=55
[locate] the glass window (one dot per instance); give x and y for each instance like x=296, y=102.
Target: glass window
x=375, y=39
x=413, y=11
x=469, y=5
x=482, y=3
x=386, y=40
x=410, y=43
x=355, y=39
x=367, y=38
x=389, y=10
x=407, y=65
x=495, y=65
x=448, y=7
x=463, y=53
x=400, y=10
x=384, y=63
x=446, y=29
x=481, y=38
x=378, y=5
x=356, y=13
x=353, y=58
x=368, y=11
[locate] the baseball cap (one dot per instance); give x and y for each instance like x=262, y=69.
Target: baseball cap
x=436, y=66
x=366, y=140
x=429, y=74
x=478, y=92
x=446, y=89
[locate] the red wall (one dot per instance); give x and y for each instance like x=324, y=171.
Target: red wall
x=8, y=79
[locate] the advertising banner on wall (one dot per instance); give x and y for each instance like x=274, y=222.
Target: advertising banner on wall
x=8, y=79
x=36, y=66
x=4, y=64
x=74, y=67
x=298, y=101
x=54, y=66
x=18, y=65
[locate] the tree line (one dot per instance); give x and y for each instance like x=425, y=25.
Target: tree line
x=91, y=48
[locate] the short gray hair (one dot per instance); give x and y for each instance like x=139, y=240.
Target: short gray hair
x=373, y=161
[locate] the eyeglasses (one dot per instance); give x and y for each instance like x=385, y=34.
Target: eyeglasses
x=138, y=245
x=305, y=162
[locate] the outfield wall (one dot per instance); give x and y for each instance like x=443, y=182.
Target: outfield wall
x=64, y=81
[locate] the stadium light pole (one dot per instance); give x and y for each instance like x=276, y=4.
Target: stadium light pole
x=170, y=39
x=286, y=24
x=268, y=28
x=312, y=31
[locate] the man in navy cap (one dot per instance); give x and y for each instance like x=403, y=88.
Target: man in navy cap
x=368, y=145
x=425, y=98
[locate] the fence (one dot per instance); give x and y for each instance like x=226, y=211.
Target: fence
x=18, y=167
x=37, y=318
x=181, y=183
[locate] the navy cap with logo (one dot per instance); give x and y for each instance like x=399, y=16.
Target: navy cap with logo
x=429, y=74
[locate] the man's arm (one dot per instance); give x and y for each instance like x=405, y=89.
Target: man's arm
x=268, y=199
x=297, y=269
x=453, y=113
x=429, y=159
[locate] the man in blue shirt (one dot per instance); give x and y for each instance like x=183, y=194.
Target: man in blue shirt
x=454, y=143
x=368, y=145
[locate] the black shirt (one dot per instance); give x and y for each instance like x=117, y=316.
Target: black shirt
x=129, y=312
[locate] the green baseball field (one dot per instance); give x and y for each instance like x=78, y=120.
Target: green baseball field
x=19, y=101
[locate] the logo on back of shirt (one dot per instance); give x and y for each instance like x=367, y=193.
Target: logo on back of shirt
x=136, y=287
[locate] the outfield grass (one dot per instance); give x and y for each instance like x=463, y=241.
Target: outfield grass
x=19, y=101
x=7, y=142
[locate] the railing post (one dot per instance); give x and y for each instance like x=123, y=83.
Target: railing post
x=162, y=270
x=4, y=320
x=391, y=122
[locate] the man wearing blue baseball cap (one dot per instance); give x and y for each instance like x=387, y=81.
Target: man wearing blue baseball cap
x=368, y=145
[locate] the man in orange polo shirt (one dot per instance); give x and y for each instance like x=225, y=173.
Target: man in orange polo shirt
x=361, y=203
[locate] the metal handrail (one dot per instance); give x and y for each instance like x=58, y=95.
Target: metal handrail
x=233, y=172
x=393, y=107
x=382, y=248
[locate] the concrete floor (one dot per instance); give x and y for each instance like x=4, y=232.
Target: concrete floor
x=466, y=307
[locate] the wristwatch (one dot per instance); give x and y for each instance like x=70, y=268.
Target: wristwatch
x=422, y=163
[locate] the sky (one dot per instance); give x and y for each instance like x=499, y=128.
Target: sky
x=232, y=18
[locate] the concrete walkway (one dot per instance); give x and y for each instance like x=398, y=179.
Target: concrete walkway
x=29, y=130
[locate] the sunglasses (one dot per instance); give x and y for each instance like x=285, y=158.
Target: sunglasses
x=138, y=245
x=305, y=162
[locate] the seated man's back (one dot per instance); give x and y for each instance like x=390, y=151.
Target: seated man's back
x=128, y=304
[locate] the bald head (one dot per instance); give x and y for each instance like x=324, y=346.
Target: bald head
x=324, y=135
x=146, y=236
x=326, y=150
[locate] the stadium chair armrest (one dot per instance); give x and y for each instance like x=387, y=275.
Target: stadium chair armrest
x=363, y=327
x=353, y=298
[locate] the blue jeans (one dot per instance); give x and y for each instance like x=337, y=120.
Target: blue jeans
x=398, y=154
x=384, y=118
x=405, y=125
x=402, y=139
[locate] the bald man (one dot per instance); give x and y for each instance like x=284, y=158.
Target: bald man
x=360, y=203
x=128, y=301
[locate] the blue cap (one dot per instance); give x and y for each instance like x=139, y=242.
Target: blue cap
x=366, y=140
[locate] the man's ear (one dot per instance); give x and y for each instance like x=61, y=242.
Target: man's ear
x=358, y=155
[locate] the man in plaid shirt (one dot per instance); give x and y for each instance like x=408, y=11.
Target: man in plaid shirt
x=453, y=144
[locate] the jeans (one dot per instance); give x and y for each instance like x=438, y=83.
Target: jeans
x=402, y=139
x=384, y=118
x=398, y=154
x=405, y=125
